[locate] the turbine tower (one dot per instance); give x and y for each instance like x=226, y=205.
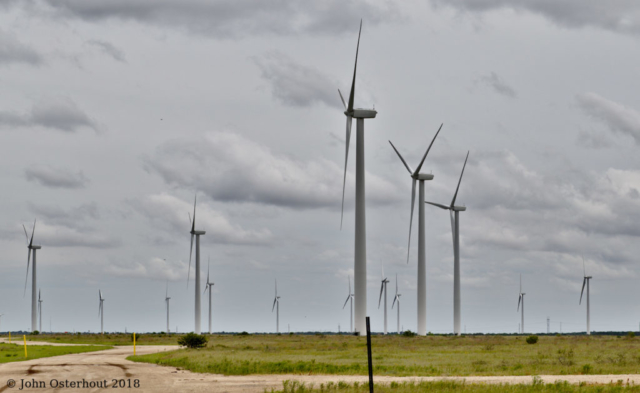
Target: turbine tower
x=34, y=281
x=585, y=280
x=360, y=255
x=101, y=311
x=208, y=286
x=40, y=311
x=349, y=297
x=384, y=288
x=397, y=298
x=422, y=269
x=276, y=305
x=521, y=299
x=166, y=299
x=197, y=234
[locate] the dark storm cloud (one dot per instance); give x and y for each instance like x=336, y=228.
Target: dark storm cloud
x=498, y=85
x=56, y=177
x=109, y=49
x=297, y=85
x=244, y=171
x=617, y=117
x=14, y=51
x=615, y=15
x=60, y=114
x=233, y=18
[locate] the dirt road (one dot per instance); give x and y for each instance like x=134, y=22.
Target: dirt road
x=109, y=367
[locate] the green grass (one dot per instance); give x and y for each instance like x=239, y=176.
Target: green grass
x=15, y=352
x=107, y=339
x=407, y=356
x=450, y=386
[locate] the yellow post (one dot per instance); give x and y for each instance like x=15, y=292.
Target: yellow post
x=25, y=345
x=134, y=344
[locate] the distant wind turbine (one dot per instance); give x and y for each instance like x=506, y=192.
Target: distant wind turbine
x=397, y=299
x=166, y=299
x=349, y=298
x=208, y=286
x=360, y=255
x=34, y=281
x=197, y=234
x=101, y=311
x=40, y=311
x=416, y=176
x=585, y=281
x=454, y=215
x=276, y=305
x=384, y=288
x=521, y=300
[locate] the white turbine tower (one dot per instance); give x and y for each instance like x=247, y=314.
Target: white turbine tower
x=34, y=281
x=397, y=298
x=384, y=288
x=349, y=297
x=166, y=299
x=276, y=305
x=585, y=281
x=360, y=255
x=422, y=269
x=208, y=286
x=521, y=309
x=454, y=215
x=197, y=234
x=101, y=311
x=40, y=311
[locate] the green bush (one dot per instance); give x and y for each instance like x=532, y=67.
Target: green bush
x=408, y=333
x=35, y=333
x=192, y=340
x=631, y=334
x=138, y=337
x=532, y=339
x=587, y=369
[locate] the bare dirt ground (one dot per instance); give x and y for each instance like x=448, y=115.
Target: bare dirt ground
x=110, y=367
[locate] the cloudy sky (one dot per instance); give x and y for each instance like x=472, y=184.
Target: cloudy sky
x=113, y=115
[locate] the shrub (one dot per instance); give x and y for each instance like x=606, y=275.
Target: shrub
x=35, y=333
x=243, y=334
x=138, y=337
x=192, y=340
x=631, y=334
x=532, y=339
x=408, y=333
x=586, y=369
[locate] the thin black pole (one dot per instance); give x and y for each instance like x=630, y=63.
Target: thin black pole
x=369, y=356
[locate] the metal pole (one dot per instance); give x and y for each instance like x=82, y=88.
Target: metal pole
x=360, y=255
x=198, y=310
x=456, y=275
x=369, y=357
x=422, y=267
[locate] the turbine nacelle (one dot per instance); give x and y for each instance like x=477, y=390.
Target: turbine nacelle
x=458, y=208
x=198, y=232
x=423, y=176
x=362, y=113
x=35, y=247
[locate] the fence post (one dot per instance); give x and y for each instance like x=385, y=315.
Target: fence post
x=25, y=345
x=369, y=356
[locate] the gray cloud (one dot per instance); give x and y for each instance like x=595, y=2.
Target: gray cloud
x=60, y=114
x=498, y=85
x=297, y=85
x=593, y=140
x=152, y=268
x=62, y=236
x=615, y=15
x=74, y=217
x=234, y=19
x=14, y=51
x=241, y=170
x=56, y=177
x=617, y=117
x=109, y=49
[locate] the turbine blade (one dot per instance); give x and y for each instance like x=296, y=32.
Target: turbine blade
x=453, y=201
x=25, y=233
x=401, y=158
x=32, y=232
x=584, y=282
x=439, y=205
x=190, y=252
x=274, y=304
x=346, y=301
x=380, y=299
x=342, y=98
x=355, y=67
x=27, y=277
x=193, y=223
x=189, y=214
x=413, y=201
x=346, y=160
x=394, y=301
x=427, y=152
x=519, y=298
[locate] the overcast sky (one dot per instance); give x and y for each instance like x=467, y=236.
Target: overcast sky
x=114, y=114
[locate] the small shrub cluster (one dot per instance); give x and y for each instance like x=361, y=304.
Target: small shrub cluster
x=532, y=339
x=408, y=333
x=192, y=340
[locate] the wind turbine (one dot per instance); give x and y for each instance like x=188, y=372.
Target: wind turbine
x=384, y=288
x=349, y=297
x=586, y=281
x=397, y=298
x=34, y=281
x=101, y=311
x=208, y=286
x=454, y=212
x=521, y=299
x=197, y=234
x=40, y=311
x=166, y=299
x=360, y=255
x=276, y=302
x=422, y=269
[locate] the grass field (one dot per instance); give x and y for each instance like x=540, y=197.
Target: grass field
x=107, y=339
x=15, y=352
x=407, y=356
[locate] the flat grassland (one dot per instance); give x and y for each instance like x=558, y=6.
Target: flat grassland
x=407, y=356
x=14, y=352
x=107, y=339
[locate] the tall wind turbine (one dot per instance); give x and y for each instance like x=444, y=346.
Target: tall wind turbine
x=384, y=288
x=360, y=255
x=521, y=299
x=276, y=305
x=585, y=280
x=208, y=286
x=166, y=299
x=454, y=212
x=101, y=311
x=422, y=269
x=34, y=281
x=197, y=234
x=349, y=297
x=40, y=311
x=397, y=298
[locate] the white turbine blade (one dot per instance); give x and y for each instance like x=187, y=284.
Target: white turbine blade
x=427, y=152
x=439, y=205
x=453, y=201
x=189, y=214
x=394, y=301
x=342, y=98
x=25, y=233
x=380, y=299
x=346, y=160
x=584, y=282
x=402, y=159
x=27, y=277
x=32, y=232
x=519, y=298
x=193, y=223
x=190, y=252
x=274, y=304
x=355, y=67
x=413, y=201
x=205, y=289
x=346, y=301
